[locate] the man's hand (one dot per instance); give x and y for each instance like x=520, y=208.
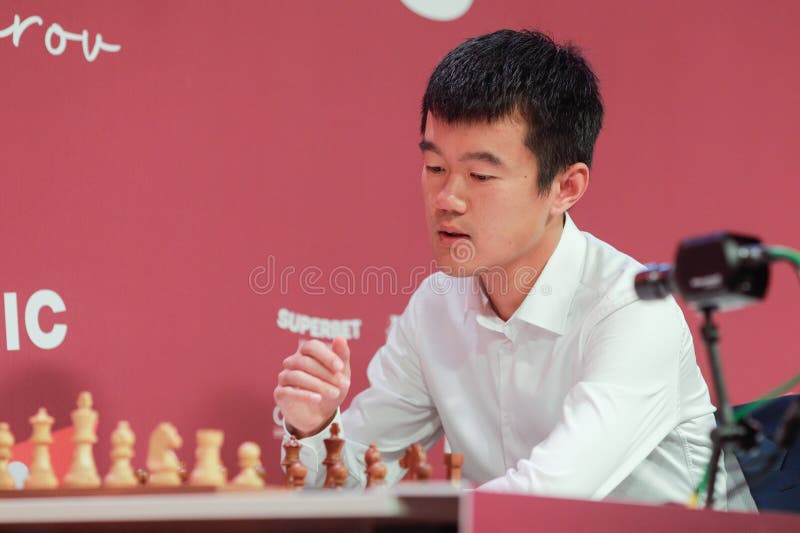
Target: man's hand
x=312, y=385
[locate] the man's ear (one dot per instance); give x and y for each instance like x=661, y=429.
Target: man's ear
x=568, y=187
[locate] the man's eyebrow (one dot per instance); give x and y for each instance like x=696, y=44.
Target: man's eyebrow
x=488, y=157
x=427, y=146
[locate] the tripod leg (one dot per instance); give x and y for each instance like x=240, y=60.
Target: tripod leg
x=716, y=452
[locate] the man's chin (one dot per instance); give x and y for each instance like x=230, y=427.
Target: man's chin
x=457, y=270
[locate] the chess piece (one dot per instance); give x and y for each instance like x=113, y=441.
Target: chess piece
x=142, y=476
x=376, y=470
x=453, y=462
x=295, y=470
x=297, y=475
x=415, y=461
x=208, y=466
x=41, y=475
x=249, y=454
x=161, y=458
x=336, y=471
x=83, y=472
x=121, y=473
x=183, y=471
x=6, y=442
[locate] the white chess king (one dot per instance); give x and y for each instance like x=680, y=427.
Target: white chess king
x=83, y=472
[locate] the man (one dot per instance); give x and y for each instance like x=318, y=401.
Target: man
x=530, y=350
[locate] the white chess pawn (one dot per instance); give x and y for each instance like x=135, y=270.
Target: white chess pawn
x=121, y=473
x=249, y=460
x=41, y=474
x=6, y=442
x=208, y=466
x=83, y=472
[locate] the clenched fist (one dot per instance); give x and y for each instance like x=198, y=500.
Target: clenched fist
x=312, y=385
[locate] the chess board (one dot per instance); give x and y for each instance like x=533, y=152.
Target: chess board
x=170, y=495
x=165, y=473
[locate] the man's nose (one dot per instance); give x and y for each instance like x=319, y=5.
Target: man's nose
x=450, y=198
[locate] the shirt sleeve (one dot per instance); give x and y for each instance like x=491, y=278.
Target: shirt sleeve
x=394, y=412
x=622, y=406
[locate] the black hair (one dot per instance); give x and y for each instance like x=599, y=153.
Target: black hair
x=504, y=73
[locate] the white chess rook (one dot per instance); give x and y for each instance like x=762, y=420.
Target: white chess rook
x=208, y=468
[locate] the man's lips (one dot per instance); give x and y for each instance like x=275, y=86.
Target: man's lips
x=451, y=237
x=451, y=231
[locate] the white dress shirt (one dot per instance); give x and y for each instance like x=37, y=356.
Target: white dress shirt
x=585, y=392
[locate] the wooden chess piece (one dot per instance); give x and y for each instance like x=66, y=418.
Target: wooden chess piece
x=376, y=470
x=249, y=454
x=408, y=461
x=336, y=474
x=6, y=443
x=183, y=471
x=41, y=475
x=82, y=472
x=295, y=470
x=162, y=462
x=207, y=469
x=297, y=475
x=454, y=462
x=121, y=473
x=415, y=460
x=142, y=476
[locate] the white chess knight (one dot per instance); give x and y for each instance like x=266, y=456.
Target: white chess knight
x=83, y=472
x=162, y=462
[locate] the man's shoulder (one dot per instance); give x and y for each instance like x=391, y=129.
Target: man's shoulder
x=607, y=282
x=608, y=272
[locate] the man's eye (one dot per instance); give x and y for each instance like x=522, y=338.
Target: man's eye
x=434, y=169
x=481, y=177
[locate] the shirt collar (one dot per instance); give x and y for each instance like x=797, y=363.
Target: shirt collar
x=547, y=304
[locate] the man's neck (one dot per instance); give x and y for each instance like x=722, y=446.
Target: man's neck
x=505, y=298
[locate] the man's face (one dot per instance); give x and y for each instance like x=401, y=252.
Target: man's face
x=482, y=202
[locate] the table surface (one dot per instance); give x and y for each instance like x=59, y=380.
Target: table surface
x=408, y=503
x=431, y=506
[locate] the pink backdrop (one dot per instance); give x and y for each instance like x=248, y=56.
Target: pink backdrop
x=158, y=189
